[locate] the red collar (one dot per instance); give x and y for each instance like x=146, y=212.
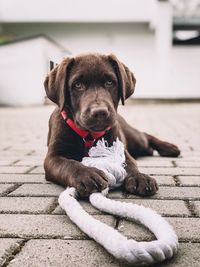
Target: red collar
x=88, y=137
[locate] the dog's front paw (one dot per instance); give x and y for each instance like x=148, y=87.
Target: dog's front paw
x=142, y=185
x=89, y=180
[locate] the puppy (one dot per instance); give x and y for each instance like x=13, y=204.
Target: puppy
x=87, y=90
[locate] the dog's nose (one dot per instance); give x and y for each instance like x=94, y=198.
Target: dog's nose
x=99, y=113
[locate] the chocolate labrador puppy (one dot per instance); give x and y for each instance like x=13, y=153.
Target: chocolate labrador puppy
x=87, y=90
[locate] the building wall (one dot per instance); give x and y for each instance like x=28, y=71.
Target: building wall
x=134, y=44
x=185, y=72
x=23, y=67
x=77, y=11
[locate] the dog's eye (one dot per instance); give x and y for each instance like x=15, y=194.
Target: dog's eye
x=109, y=83
x=77, y=85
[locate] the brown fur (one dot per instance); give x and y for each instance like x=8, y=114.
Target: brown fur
x=89, y=87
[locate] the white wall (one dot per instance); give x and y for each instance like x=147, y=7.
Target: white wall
x=77, y=10
x=185, y=72
x=135, y=45
x=23, y=66
x=132, y=43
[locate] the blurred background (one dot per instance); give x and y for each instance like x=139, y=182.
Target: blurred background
x=158, y=40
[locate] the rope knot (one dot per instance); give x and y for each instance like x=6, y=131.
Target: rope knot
x=111, y=160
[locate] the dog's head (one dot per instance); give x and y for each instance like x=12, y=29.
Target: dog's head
x=89, y=87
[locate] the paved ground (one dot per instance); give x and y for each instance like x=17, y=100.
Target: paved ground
x=33, y=229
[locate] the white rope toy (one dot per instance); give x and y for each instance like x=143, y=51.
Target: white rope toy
x=112, y=160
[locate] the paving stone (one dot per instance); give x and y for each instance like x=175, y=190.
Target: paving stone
x=189, y=180
x=7, y=246
x=10, y=154
x=13, y=169
x=185, y=153
x=38, y=190
x=5, y=187
x=135, y=231
x=116, y=194
x=185, y=160
x=9, y=159
x=71, y=253
x=4, y=146
x=4, y=162
x=39, y=153
x=60, y=211
x=39, y=169
x=153, y=163
x=85, y=205
x=30, y=161
x=186, y=229
x=190, y=158
x=165, y=180
x=25, y=204
x=27, y=146
x=155, y=159
x=22, y=178
x=45, y=226
x=163, y=207
x=173, y=192
x=188, y=164
x=170, y=171
x=188, y=256
x=197, y=206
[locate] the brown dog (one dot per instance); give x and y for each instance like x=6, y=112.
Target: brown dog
x=88, y=89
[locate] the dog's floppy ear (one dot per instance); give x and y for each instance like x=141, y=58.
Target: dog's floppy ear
x=125, y=77
x=55, y=83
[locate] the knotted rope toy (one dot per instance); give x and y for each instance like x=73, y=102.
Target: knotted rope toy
x=111, y=160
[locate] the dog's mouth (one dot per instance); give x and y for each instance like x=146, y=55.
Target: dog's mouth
x=94, y=128
x=99, y=128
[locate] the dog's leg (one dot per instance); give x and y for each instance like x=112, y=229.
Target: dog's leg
x=165, y=149
x=143, y=144
x=68, y=172
x=136, y=142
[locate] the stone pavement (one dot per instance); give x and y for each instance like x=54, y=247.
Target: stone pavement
x=33, y=229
